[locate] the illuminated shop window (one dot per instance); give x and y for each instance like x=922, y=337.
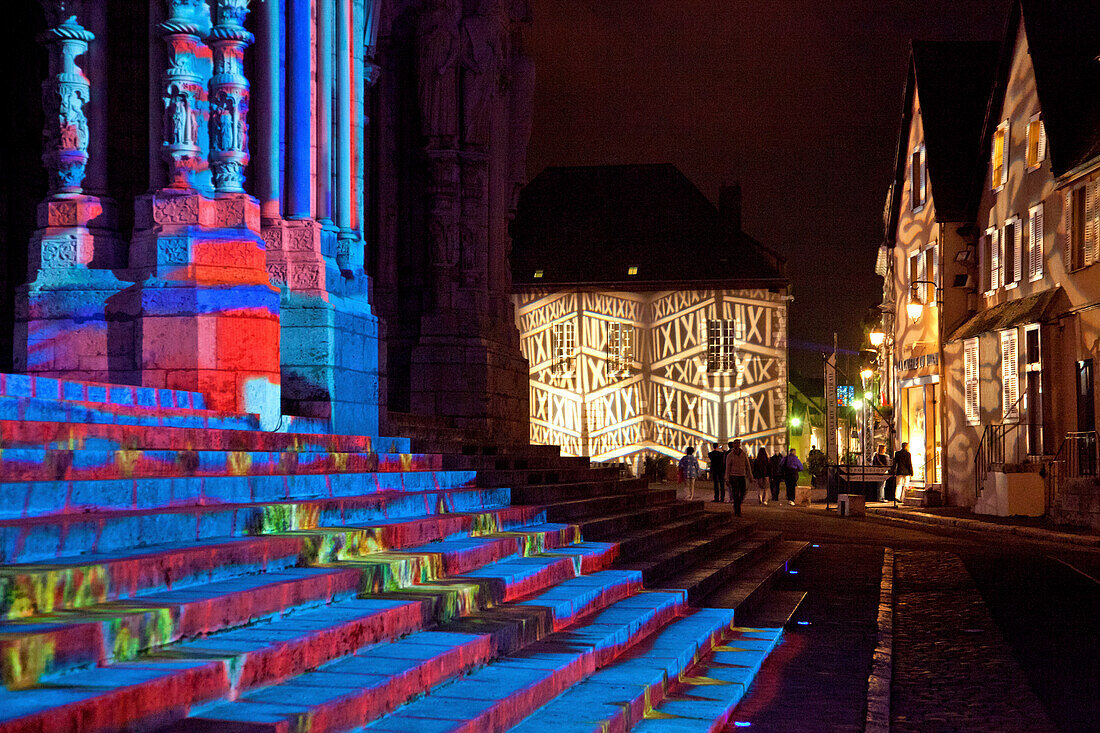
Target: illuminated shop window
x=620, y=347
x=563, y=345
x=722, y=339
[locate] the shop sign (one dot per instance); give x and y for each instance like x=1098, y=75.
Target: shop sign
x=927, y=363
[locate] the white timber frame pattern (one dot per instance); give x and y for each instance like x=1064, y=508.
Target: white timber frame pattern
x=644, y=381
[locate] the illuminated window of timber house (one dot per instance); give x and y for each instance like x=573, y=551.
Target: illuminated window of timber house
x=563, y=344
x=721, y=345
x=620, y=347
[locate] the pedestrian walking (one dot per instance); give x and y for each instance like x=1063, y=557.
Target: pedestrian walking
x=760, y=475
x=881, y=460
x=902, y=469
x=775, y=472
x=689, y=469
x=717, y=458
x=738, y=474
x=791, y=468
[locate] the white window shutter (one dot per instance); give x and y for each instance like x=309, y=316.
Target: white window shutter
x=1067, y=227
x=1006, y=160
x=1092, y=226
x=1035, y=243
x=1018, y=251
x=1010, y=388
x=995, y=260
x=970, y=380
x=1041, y=155
x=923, y=177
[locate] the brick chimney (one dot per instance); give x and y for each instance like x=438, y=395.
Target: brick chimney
x=729, y=207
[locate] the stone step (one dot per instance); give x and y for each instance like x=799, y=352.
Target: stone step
x=46, y=410
x=38, y=464
x=617, y=697
x=754, y=583
x=377, y=679
x=524, y=477
x=704, y=699
x=611, y=503
x=564, y=492
x=665, y=560
x=43, y=539
x=639, y=543
x=518, y=461
x=48, y=388
x=610, y=526
x=719, y=568
x=29, y=499
x=82, y=581
x=503, y=693
x=108, y=436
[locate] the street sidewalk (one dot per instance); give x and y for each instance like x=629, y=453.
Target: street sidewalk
x=1036, y=528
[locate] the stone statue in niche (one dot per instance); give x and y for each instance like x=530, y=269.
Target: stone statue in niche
x=74, y=125
x=225, y=124
x=437, y=52
x=180, y=124
x=444, y=240
x=485, y=51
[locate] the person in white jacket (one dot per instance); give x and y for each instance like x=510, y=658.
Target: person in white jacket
x=738, y=474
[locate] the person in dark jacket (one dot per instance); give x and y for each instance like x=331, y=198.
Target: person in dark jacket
x=902, y=469
x=791, y=468
x=775, y=473
x=760, y=475
x=717, y=458
x=881, y=460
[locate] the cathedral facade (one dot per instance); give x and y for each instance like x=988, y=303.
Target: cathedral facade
x=297, y=207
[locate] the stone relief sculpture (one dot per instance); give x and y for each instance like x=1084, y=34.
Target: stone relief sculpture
x=485, y=50
x=438, y=46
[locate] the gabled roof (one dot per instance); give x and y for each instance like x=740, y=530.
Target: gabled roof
x=1064, y=41
x=952, y=80
x=589, y=224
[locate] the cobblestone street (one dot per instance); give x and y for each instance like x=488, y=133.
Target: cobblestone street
x=953, y=670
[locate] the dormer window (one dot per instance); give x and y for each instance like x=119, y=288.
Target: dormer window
x=999, y=173
x=632, y=270
x=918, y=179
x=538, y=274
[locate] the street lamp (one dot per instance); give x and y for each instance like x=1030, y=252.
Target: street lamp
x=865, y=374
x=877, y=338
x=915, y=307
x=795, y=422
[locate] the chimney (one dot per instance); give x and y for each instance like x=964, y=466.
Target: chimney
x=729, y=207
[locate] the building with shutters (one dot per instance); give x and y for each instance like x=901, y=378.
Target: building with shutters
x=651, y=322
x=1017, y=295
x=929, y=238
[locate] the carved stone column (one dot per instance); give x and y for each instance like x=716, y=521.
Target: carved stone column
x=204, y=314
x=61, y=328
x=229, y=97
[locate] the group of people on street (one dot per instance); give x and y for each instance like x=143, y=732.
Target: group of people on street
x=901, y=470
x=736, y=470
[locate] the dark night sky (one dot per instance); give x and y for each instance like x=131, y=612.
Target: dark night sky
x=798, y=99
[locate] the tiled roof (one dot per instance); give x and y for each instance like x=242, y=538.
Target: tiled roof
x=591, y=224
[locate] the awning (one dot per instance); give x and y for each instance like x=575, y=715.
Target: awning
x=1031, y=309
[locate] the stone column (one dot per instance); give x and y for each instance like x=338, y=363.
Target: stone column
x=267, y=161
x=344, y=122
x=61, y=328
x=298, y=109
x=325, y=29
x=205, y=316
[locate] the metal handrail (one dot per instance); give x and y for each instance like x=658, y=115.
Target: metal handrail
x=991, y=447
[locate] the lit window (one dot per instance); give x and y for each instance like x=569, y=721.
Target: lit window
x=1036, y=142
x=721, y=345
x=563, y=345
x=538, y=273
x=632, y=270
x=1000, y=155
x=620, y=347
x=918, y=179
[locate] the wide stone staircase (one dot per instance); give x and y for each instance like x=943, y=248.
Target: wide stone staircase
x=170, y=567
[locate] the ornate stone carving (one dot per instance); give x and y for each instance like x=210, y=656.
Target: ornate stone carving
x=273, y=238
x=306, y=277
x=301, y=239
x=277, y=272
x=438, y=45
x=176, y=210
x=183, y=90
x=62, y=214
x=485, y=53
x=64, y=94
x=62, y=251
x=229, y=96
x=173, y=251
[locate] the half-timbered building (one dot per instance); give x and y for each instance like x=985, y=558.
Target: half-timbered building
x=650, y=321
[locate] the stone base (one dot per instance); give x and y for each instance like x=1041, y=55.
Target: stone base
x=471, y=374
x=330, y=355
x=1078, y=503
x=1012, y=494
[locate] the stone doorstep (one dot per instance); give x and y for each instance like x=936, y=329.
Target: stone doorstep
x=977, y=525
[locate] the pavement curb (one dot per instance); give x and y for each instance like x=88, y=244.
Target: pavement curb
x=882, y=663
x=976, y=525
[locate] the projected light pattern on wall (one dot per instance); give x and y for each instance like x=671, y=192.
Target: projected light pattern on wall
x=620, y=375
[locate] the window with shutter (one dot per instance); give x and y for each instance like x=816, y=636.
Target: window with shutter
x=916, y=179
x=1010, y=253
x=1069, y=244
x=983, y=263
x=1035, y=243
x=1010, y=377
x=1036, y=142
x=995, y=277
x=620, y=348
x=564, y=345
x=1092, y=222
x=999, y=172
x=721, y=348
x=970, y=381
